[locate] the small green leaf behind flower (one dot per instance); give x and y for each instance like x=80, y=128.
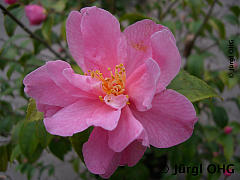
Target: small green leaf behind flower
x=192, y=87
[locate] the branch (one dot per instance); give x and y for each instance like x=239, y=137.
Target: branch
x=168, y=9
x=189, y=45
x=5, y=11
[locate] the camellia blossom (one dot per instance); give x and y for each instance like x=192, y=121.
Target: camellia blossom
x=36, y=14
x=122, y=94
x=10, y=1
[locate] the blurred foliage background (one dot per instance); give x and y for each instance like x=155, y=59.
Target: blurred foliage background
x=202, y=32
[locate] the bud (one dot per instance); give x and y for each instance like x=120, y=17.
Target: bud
x=10, y=1
x=235, y=65
x=226, y=173
x=227, y=130
x=215, y=154
x=36, y=14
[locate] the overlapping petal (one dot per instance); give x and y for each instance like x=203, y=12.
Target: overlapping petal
x=170, y=121
x=80, y=115
x=133, y=153
x=40, y=85
x=138, y=43
x=99, y=158
x=128, y=130
x=166, y=54
x=142, y=84
x=94, y=37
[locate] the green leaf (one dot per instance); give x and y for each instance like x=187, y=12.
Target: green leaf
x=220, y=116
x=228, y=145
x=236, y=127
x=211, y=133
x=195, y=65
x=77, y=69
x=78, y=140
x=231, y=19
x=235, y=10
x=133, y=17
x=28, y=140
x=32, y=113
x=190, y=86
x=43, y=136
x=218, y=26
x=59, y=147
x=47, y=29
x=3, y=158
x=9, y=24
x=37, y=47
x=15, y=153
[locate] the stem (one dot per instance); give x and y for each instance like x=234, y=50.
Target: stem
x=168, y=9
x=188, y=48
x=5, y=11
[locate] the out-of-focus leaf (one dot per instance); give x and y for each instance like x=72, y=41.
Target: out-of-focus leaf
x=37, y=47
x=220, y=116
x=32, y=113
x=139, y=172
x=47, y=29
x=78, y=140
x=9, y=24
x=235, y=10
x=190, y=86
x=231, y=19
x=3, y=158
x=133, y=17
x=218, y=26
x=57, y=5
x=77, y=69
x=211, y=133
x=214, y=176
x=15, y=153
x=229, y=82
x=43, y=136
x=59, y=147
x=237, y=101
x=195, y=65
x=28, y=140
x=236, y=127
x=228, y=145
x=63, y=31
x=195, y=25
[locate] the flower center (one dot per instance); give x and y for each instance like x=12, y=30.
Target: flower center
x=113, y=85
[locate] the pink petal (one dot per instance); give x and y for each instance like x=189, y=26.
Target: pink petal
x=127, y=131
x=117, y=102
x=40, y=86
x=99, y=158
x=166, y=54
x=74, y=37
x=141, y=85
x=105, y=117
x=138, y=41
x=80, y=115
x=47, y=109
x=101, y=37
x=133, y=153
x=86, y=85
x=170, y=121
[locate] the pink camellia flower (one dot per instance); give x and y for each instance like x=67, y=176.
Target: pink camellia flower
x=227, y=130
x=36, y=14
x=122, y=94
x=10, y=1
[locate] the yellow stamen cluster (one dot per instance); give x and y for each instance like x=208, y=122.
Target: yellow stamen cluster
x=115, y=84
